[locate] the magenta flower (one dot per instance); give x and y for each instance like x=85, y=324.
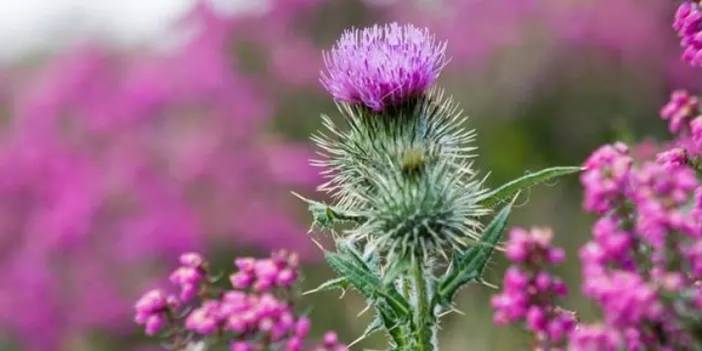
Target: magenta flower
x=594, y=338
x=626, y=299
x=246, y=318
x=151, y=310
x=279, y=271
x=672, y=158
x=188, y=276
x=384, y=65
x=688, y=24
x=530, y=291
x=606, y=176
x=680, y=109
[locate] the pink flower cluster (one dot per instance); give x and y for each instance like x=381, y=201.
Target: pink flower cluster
x=688, y=24
x=189, y=276
x=246, y=320
x=279, y=271
x=643, y=262
x=685, y=120
x=153, y=309
x=595, y=338
x=606, y=175
x=680, y=110
x=530, y=291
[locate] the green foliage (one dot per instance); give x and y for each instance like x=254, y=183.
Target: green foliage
x=468, y=266
x=393, y=310
x=359, y=273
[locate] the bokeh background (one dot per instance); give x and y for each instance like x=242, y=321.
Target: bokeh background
x=131, y=131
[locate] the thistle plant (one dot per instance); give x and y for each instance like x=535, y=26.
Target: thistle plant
x=408, y=210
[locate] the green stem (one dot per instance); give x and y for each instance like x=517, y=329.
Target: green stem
x=424, y=330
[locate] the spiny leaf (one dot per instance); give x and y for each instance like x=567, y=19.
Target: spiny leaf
x=349, y=264
x=395, y=269
x=326, y=216
x=373, y=327
x=337, y=283
x=469, y=266
x=508, y=190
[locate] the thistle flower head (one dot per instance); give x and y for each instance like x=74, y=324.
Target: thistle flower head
x=408, y=173
x=383, y=65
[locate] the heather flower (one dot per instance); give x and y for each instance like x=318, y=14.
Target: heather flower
x=189, y=276
x=681, y=108
x=246, y=319
x=660, y=196
x=279, y=271
x=688, y=20
x=241, y=346
x=611, y=247
x=672, y=158
x=644, y=259
x=529, y=290
x=533, y=247
x=152, y=310
x=696, y=134
x=594, y=338
x=206, y=319
x=606, y=177
x=625, y=298
x=383, y=65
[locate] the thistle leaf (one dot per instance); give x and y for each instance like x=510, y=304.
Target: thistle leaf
x=508, y=190
x=395, y=269
x=337, y=283
x=373, y=327
x=348, y=263
x=469, y=266
x=326, y=216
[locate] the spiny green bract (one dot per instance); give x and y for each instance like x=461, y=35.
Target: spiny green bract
x=407, y=172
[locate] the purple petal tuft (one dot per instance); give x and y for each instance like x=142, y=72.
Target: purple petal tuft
x=384, y=65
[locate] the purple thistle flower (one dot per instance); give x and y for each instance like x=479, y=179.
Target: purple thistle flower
x=383, y=65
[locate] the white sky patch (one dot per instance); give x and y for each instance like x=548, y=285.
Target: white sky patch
x=30, y=27
x=38, y=27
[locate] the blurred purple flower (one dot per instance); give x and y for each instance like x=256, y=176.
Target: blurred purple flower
x=688, y=24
